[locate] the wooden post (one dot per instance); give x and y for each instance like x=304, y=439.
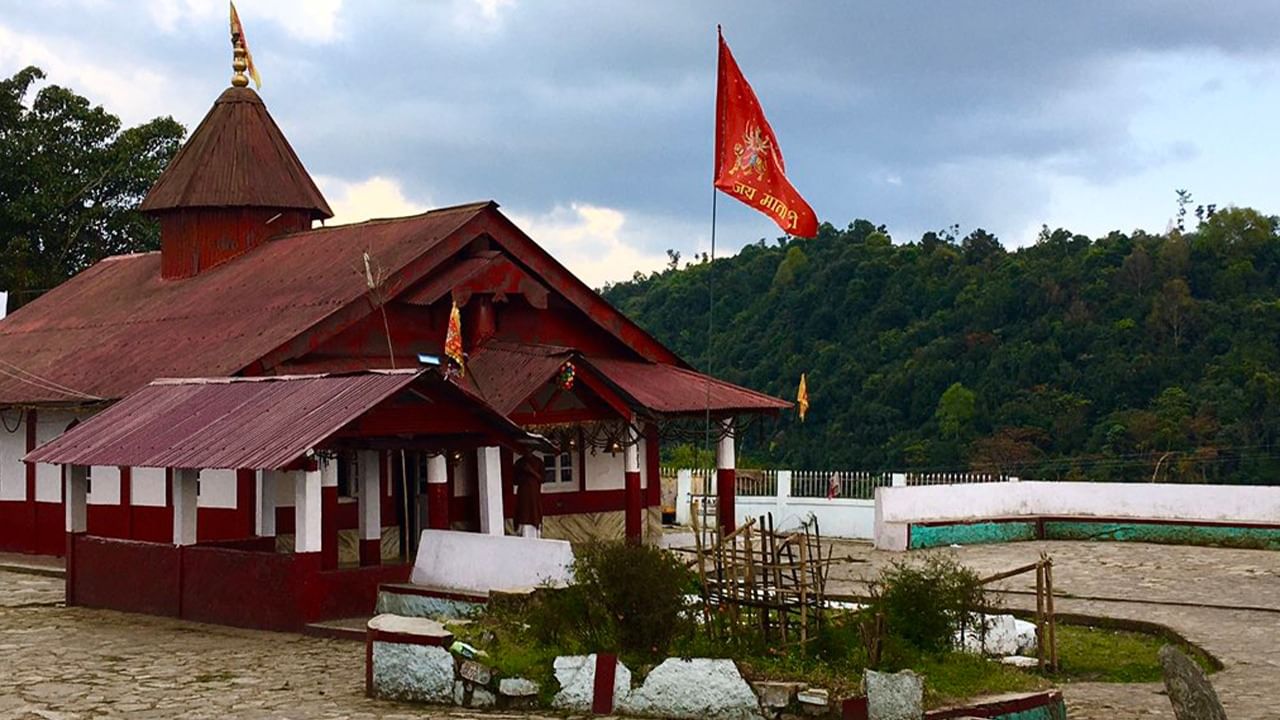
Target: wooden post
x=1053, y=622
x=1040, y=633
x=702, y=569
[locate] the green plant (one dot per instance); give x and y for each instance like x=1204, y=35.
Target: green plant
x=625, y=598
x=926, y=605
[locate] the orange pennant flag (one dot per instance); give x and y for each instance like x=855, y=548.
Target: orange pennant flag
x=749, y=163
x=237, y=30
x=802, y=398
x=453, y=339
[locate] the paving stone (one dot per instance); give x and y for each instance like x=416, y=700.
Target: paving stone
x=894, y=696
x=1190, y=692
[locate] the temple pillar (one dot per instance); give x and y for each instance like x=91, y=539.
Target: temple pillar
x=184, y=491
x=634, y=498
x=489, y=481
x=438, y=492
x=265, y=518
x=726, y=476
x=75, y=497
x=329, y=513
x=306, y=511
x=370, y=500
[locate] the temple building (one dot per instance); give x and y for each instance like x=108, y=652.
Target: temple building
x=265, y=393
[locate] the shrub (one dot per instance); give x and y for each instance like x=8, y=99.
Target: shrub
x=625, y=598
x=925, y=605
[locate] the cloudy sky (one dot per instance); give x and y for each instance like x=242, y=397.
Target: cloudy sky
x=591, y=122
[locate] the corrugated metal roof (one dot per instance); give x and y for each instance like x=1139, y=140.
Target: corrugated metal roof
x=667, y=389
x=506, y=374
x=237, y=157
x=118, y=325
x=249, y=423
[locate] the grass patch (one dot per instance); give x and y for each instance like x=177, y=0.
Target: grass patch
x=1119, y=656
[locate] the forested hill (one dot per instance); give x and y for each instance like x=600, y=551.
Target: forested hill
x=1111, y=358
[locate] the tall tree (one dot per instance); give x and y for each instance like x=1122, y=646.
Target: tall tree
x=70, y=183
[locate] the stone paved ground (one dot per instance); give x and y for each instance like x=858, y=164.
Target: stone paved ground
x=1186, y=588
x=73, y=663
x=61, y=663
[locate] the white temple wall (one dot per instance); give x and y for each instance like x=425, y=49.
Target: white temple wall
x=606, y=470
x=13, y=445
x=148, y=487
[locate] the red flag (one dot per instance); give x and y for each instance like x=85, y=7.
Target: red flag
x=748, y=161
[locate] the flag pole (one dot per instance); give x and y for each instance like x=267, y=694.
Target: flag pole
x=711, y=286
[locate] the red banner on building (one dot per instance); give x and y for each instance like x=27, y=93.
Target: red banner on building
x=748, y=161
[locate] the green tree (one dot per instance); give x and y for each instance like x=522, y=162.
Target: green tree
x=70, y=183
x=955, y=410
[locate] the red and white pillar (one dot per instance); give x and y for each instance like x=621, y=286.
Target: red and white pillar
x=265, y=518
x=306, y=511
x=76, y=500
x=438, y=492
x=369, y=472
x=489, y=477
x=635, y=501
x=185, y=491
x=726, y=476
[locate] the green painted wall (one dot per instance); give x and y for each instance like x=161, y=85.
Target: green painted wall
x=1242, y=537
x=979, y=533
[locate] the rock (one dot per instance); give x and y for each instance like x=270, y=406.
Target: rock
x=814, y=701
x=1191, y=693
x=1001, y=636
x=475, y=672
x=776, y=694
x=459, y=693
x=412, y=672
x=697, y=689
x=517, y=687
x=894, y=696
x=481, y=698
x=1021, y=661
x=1026, y=634
x=429, y=631
x=577, y=675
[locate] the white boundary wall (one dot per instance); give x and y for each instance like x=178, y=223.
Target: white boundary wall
x=898, y=507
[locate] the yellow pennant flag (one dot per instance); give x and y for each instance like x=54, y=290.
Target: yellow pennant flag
x=453, y=339
x=238, y=30
x=802, y=397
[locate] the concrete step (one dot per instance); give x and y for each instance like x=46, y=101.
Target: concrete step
x=352, y=628
x=425, y=601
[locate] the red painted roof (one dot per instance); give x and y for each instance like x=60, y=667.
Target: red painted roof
x=237, y=157
x=118, y=325
x=505, y=374
x=671, y=390
x=257, y=423
x=262, y=423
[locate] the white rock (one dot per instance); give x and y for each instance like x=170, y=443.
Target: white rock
x=894, y=696
x=412, y=672
x=814, y=696
x=696, y=689
x=422, y=627
x=517, y=687
x=577, y=677
x=1026, y=632
x=1001, y=637
x=1021, y=661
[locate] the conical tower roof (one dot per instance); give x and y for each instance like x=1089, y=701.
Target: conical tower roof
x=237, y=157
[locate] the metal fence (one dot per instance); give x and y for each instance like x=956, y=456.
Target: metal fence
x=855, y=484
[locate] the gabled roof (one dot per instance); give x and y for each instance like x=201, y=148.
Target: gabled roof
x=264, y=423
x=506, y=374
x=116, y=326
x=237, y=157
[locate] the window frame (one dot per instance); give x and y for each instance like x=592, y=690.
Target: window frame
x=553, y=463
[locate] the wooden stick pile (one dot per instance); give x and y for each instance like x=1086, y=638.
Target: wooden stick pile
x=760, y=575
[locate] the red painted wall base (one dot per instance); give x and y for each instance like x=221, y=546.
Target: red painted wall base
x=219, y=584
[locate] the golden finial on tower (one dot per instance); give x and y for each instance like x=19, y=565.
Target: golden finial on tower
x=242, y=59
